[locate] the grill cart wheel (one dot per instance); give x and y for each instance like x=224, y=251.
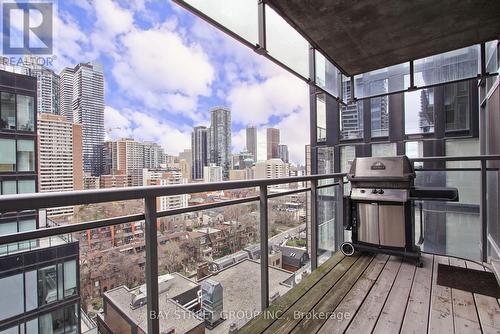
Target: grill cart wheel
x=347, y=249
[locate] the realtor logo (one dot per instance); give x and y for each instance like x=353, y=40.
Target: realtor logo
x=27, y=28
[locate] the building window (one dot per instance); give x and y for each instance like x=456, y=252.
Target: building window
x=31, y=290
x=8, y=187
x=25, y=186
x=380, y=116
x=59, y=321
x=7, y=111
x=12, y=330
x=419, y=111
x=384, y=150
x=25, y=113
x=347, y=155
x=456, y=106
x=7, y=155
x=351, y=115
x=415, y=149
x=12, y=291
x=69, y=278
x=32, y=326
x=320, y=118
x=25, y=155
x=351, y=120
x=47, y=285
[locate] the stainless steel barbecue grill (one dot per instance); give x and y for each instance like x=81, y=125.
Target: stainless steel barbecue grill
x=379, y=210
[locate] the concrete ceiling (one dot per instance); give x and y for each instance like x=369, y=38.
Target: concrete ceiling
x=364, y=35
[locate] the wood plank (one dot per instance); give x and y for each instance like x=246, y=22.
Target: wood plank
x=417, y=311
x=464, y=309
x=441, y=312
x=312, y=321
x=391, y=317
x=487, y=308
x=265, y=319
x=353, y=300
x=286, y=322
x=367, y=316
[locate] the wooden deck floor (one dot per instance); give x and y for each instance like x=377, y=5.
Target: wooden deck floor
x=379, y=294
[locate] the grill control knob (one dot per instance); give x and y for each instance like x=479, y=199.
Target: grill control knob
x=374, y=191
x=362, y=191
x=381, y=191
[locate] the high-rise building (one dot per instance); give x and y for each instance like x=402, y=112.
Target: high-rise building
x=186, y=164
x=39, y=279
x=47, y=84
x=66, y=78
x=86, y=88
x=153, y=155
x=59, y=157
x=283, y=153
x=252, y=141
x=124, y=156
x=272, y=169
x=212, y=173
x=165, y=177
x=273, y=140
x=199, y=148
x=220, y=139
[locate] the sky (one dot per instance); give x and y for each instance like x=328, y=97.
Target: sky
x=165, y=69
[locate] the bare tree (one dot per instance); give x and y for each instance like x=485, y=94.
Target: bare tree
x=170, y=257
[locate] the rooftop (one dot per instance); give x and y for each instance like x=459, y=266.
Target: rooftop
x=170, y=287
x=240, y=283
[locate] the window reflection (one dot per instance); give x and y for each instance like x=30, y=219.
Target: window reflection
x=419, y=111
x=7, y=155
x=456, y=106
x=47, y=285
x=25, y=155
x=320, y=118
x=380, y=116
x=450, y=66
x=8, y=111
x=351, y=116
x=25, y=113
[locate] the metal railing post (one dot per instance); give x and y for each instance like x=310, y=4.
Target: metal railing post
x=264, y=269
x=151, y=265
x=483, y=213
x=314, y=225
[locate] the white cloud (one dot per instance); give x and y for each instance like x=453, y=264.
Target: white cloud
x=143, y=127
x=112, y=20
x=70, y=42
x=278, y=95
x=159, y=68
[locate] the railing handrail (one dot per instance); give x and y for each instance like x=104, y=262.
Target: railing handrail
x=112, y=195
x=33, y=201
x=458, y=158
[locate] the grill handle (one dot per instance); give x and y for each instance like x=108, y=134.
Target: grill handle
x=421, y=238
x=444, y=194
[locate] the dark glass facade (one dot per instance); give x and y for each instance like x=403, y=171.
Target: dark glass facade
x=39, y=279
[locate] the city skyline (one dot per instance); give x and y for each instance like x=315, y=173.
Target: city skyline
x=125, y=39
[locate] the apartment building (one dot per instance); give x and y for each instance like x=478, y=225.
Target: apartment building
x=165, y=177
x=59, y=157
x=39, y=278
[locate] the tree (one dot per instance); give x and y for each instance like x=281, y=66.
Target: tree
x=170, y=257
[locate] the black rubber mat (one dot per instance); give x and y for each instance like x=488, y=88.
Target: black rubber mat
x=471, y=280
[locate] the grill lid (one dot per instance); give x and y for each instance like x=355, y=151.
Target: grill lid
x=395, y=172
